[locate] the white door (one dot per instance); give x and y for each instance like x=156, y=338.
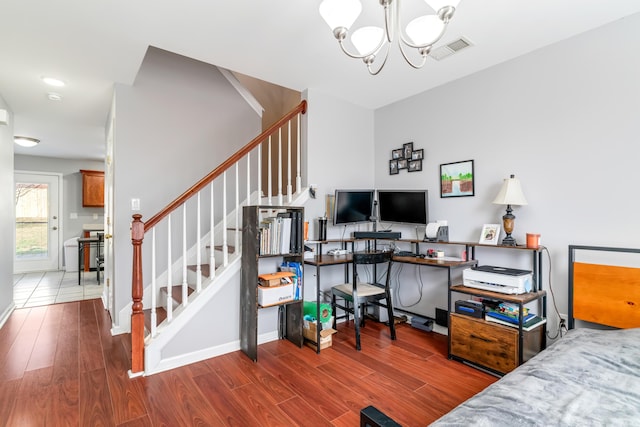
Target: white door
x=37, y=232
x=108, y=294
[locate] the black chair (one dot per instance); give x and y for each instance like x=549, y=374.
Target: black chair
x=357, y=295
x=99, y=256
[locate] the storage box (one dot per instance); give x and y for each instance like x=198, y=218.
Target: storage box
x=273, y=295
x=311, y=308
x=422, y=323
x=310, y=331
x=276, y=279
x=470, y=308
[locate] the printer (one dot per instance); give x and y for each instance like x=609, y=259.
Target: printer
x=498, y=279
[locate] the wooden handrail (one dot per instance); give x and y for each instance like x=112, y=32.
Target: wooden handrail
x=301, y=108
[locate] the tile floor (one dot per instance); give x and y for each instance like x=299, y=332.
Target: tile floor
x=50, y=287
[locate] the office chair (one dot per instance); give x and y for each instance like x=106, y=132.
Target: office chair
x=356, y=295
x=99, y=256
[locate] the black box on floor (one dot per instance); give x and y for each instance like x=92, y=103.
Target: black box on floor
x=442, y=317
x=470, y=308
x=422, y=323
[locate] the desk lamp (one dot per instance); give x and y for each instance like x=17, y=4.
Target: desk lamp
x=510, y=194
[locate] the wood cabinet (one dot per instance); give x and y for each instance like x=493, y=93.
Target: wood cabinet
x=290, y=313
x=92, y=188
x=488, y=344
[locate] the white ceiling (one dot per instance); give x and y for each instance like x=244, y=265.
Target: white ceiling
x=93, y=44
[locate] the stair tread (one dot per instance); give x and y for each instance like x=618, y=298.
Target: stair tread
x=176, y=292
x=161, y=315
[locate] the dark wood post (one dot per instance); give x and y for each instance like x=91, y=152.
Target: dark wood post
x=137, y=316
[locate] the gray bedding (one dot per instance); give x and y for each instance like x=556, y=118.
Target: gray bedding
x=587, y=378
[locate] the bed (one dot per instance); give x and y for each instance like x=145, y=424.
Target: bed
x=590, y=377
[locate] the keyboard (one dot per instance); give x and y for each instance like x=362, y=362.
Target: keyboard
x=405, y=253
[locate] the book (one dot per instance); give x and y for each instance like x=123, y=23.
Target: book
x=509, y=318
x=532, y=323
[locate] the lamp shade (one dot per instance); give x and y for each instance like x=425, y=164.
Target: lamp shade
x=367, y=39
x=425, y=30
x=340, y=13
x=25, y=141
x=510, y=193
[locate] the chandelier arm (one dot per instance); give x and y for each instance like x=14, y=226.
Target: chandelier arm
x=349, y=54
x=384, y=61
x=389, y=25
x=406, y=58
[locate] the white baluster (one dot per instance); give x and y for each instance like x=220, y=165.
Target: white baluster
x=289, y=187
x=280, y=166
x=212, y=243
x=225, y=247
x=269, y=174
x=154, y=290
x=248, y=199
x=259, y=174
x=185, y=285
x=198, y=250
x=236, y=241
x=298, y=174
x=169, y=273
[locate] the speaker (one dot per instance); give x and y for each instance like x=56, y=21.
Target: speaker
x=442, y=317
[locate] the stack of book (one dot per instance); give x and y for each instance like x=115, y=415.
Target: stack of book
x=509, y=318
x=279, y=234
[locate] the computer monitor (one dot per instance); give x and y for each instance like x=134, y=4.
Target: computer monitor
x=353, y=206
x=403, y=206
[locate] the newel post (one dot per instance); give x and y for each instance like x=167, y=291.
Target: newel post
x=137, y=316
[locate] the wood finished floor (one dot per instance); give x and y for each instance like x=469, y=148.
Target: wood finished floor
x=60, y=366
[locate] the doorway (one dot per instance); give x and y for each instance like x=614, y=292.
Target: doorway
x=37, y=226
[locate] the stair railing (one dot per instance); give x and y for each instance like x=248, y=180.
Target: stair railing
x=168, y=234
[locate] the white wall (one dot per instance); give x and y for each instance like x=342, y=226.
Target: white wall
x=563, y=119
x=339, y=155
x=178, y=122
x=7, y=215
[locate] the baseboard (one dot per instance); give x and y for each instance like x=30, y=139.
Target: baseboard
x=5, y=316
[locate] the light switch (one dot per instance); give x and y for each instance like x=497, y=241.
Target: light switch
x=135, y=204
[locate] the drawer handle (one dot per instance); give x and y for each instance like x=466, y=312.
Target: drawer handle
x=480, y=338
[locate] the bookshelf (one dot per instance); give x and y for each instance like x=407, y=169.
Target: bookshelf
x=270, y=235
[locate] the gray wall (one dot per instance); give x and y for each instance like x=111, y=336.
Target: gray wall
x=71, y=189
x=7, y=215
x=178, y=122
x=563, y=119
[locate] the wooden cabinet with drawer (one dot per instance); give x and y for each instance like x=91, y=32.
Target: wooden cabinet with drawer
x=490, y=345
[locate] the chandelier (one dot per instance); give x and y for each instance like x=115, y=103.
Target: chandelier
x=369, y=42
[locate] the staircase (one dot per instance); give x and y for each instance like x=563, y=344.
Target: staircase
x=200, y=229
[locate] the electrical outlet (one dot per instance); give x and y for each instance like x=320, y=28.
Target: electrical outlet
x=564, y=320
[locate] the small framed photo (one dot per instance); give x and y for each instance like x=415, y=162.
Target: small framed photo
x=415, y=165
x=407, y=149
x=402, y=164
x=417, y=154
x=397, y=154
x=490, y=234
x=393, y=167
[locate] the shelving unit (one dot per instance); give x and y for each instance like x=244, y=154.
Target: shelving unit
x=290, y=316
x=492, y=346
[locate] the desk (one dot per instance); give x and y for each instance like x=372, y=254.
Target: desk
x=83, y=242
x=323, y=260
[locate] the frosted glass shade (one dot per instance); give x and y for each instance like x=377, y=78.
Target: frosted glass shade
x=425, y=30
x=340, y=13
x=367, y=39
x=510, y=193
x=439, y=4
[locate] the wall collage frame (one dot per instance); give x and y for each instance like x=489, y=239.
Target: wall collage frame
x=406, y=158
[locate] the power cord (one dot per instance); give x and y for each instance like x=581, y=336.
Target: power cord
x=562, y=327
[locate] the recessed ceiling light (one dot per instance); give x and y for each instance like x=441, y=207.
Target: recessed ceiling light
x=54, y=96
x=25, y=141
x=51, y=81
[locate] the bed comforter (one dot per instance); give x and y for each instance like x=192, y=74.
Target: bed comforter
x=587, y=378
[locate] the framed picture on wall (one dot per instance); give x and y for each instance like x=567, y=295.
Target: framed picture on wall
x=397, y=154
x=457, y=179
x=407, y=149
x=415, y=165
x=417, y=154
x=393, y=167
x=402, y=164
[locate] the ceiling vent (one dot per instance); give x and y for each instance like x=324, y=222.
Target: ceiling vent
x=449, y=49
